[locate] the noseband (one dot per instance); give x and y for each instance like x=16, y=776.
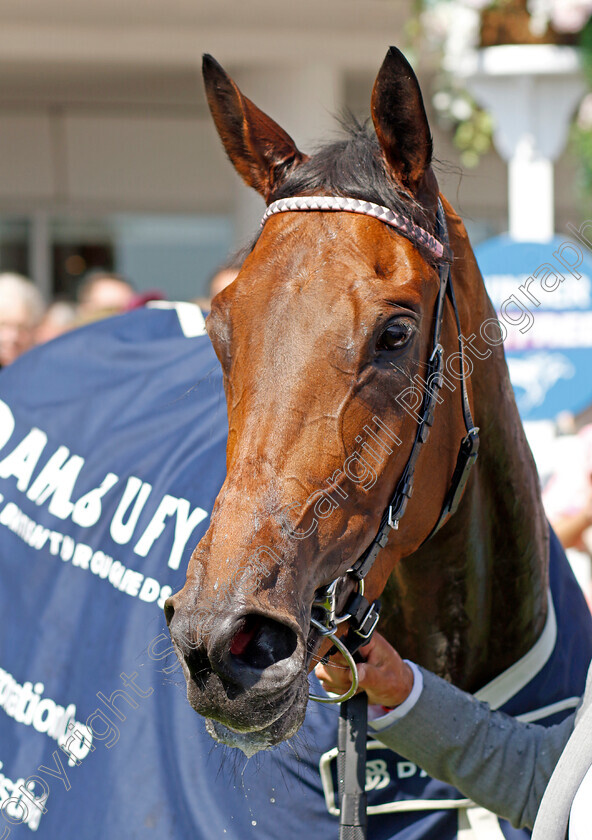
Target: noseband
x=359, y=612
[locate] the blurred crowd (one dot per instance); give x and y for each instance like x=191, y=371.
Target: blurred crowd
x=27, y=320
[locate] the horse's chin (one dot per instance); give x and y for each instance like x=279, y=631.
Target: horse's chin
x=264, y=737
x=253, y=742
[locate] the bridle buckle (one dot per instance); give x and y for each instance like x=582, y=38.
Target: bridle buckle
x=394, y=523
x=369, y=622
x=437, y=351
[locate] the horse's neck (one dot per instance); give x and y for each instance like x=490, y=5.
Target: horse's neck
x=473, y=599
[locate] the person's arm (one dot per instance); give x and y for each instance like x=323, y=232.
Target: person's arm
x=498, y=762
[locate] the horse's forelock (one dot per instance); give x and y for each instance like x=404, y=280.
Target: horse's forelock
x=353, y=167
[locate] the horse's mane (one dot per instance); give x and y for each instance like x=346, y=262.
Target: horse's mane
x=353, y=167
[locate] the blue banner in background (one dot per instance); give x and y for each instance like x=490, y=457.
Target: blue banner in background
x=542, y=293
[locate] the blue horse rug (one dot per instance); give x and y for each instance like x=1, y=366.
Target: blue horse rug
x=112, y=451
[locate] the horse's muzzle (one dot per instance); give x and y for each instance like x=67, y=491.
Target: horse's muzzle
x=244, y=669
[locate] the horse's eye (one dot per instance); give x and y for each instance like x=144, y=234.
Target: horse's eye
x=395, y=336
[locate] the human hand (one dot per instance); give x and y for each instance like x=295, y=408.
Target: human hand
x=385, y=678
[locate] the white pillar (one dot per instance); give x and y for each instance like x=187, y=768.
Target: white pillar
x=304, y=101
x=531, y=194
x=531, y=91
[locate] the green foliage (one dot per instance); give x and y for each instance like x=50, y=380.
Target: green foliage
x=473, y=137
x=581, y=130
x=581, y=145
x=586, y=50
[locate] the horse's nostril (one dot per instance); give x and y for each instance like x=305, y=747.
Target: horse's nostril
x=260, y=642
x=241, y=640
x=169, y=610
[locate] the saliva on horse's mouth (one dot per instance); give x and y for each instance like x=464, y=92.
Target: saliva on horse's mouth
x=249, y=743
x=255, y=740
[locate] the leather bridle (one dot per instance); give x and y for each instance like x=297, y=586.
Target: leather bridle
x=361, y=615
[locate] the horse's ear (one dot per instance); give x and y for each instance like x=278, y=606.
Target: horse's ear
x=400, y=120
x=261, y=151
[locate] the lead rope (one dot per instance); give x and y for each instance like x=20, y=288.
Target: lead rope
x=351, y=755
x=351, y=768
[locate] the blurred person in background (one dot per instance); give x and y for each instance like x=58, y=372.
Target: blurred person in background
x=60, y=316
x=103, y=293
x=225, y=275
x=222, y=277
x=567, y=498
x=21, y=310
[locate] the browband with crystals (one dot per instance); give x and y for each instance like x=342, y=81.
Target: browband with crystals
x=355, y=205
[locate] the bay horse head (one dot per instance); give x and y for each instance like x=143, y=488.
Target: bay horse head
x=331, y=320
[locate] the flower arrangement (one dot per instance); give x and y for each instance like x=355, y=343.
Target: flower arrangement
x=455, y=28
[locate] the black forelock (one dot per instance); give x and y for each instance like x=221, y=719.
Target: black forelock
x=353, y=167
